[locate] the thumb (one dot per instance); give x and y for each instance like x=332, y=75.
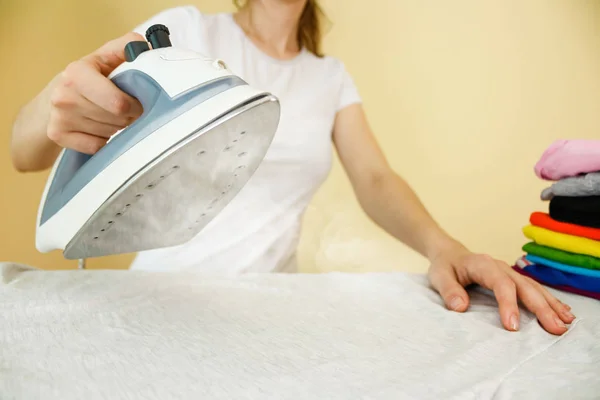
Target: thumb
x=445, y=282
x=112, y=54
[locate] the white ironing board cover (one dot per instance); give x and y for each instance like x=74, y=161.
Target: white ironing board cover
x=145, y=335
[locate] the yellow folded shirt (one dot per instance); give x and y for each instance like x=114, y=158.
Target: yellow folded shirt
x=562, y=241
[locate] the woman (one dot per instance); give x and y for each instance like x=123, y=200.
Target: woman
x=274, y=45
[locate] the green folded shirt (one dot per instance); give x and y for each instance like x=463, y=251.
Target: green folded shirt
x=578, y=260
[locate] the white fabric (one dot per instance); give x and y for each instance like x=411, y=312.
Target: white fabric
x=263, y=221
x=155, y=335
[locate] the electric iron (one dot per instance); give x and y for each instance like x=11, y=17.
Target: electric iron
x=157, y=183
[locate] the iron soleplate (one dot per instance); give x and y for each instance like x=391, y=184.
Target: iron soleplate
x=172, y=199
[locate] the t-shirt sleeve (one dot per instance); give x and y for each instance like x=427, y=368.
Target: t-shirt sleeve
x=348, y=91
x=177, y=19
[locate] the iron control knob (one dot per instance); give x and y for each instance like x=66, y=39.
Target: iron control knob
x=158, y=36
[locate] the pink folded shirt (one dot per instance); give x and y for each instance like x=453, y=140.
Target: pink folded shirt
x=566, y=158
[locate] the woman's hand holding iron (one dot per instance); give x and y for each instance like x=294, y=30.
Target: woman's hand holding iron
x=86, y=107
x=79, y=109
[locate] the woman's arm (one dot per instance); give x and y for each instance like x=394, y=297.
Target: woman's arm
x=31, y=149
x=384, y=196
x=389, y=201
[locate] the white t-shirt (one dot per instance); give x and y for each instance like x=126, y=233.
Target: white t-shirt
x=259, y=230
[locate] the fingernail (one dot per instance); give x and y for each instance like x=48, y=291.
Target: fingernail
x=569, y=314
x=456, y=303
x=514, y=322
x=560, y=323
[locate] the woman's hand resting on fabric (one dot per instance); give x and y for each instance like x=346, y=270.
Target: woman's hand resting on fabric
x=393, y=205
x=455, y=267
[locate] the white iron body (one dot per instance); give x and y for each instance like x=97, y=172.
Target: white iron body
x=177, y=72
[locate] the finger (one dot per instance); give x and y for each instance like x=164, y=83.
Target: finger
x=95, y=113
x=67, y=99
x=445, y=282
x=112, y=54
x=564, y=314
x=96, y=128
x=555, y=303
x=505, y=290
x=535, y=302
x=81, y=142
x=561, y=309
x=492, y=275
x=63, y=123
x=99, y=90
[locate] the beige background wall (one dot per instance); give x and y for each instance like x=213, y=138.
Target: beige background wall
x=464, y=96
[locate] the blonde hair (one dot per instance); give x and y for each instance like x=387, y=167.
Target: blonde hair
x=310, y=26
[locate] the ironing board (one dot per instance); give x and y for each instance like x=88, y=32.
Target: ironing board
x=90, y=334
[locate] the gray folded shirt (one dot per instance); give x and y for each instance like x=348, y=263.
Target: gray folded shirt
x=575, y=186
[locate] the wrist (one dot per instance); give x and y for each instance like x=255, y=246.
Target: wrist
x=31, y=149
x=438, y=242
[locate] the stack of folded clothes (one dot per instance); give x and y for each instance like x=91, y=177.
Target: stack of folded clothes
x=564, y=251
